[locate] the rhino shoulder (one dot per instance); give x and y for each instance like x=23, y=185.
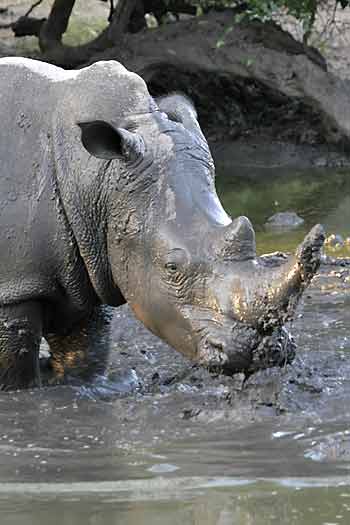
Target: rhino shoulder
x=38, y=68
x=101, y=71
x=113, y=78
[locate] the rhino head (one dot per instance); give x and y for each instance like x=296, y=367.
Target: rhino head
x=190, y=272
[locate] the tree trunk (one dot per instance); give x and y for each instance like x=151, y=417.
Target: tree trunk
x=213, y=45
x=56, y=25
x=255, y=51
x=50, y=32
x=50, y=38
x=121, y=18
x=128, y=16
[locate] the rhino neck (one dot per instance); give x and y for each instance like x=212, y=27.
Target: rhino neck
x=82, y=193
x=133, y=219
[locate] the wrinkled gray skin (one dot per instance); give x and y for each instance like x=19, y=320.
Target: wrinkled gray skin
x=107, y=197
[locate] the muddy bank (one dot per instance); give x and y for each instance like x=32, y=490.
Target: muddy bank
x=238, y=79
x=242, y=110
x=251, y=155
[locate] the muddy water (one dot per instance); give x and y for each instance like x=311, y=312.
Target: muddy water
x=162, y=442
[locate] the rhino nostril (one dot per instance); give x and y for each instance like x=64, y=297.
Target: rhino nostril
x=218, y=345
x=212, y=353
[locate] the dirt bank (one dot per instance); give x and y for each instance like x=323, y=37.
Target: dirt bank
x=241, y=87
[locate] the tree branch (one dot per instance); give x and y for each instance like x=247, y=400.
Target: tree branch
x=27, y=26
x=111, y=10
x=56, y=25
x=24, y=25
x=32, y=7
x=121, y=18
x=50, y=35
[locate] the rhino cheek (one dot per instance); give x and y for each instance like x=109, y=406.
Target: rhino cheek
x=141, y=315
x=174, y=328
x=181, y=339
x=178, y=333
x=168, y=324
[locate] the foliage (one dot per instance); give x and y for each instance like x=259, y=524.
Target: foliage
x=264, y=10
x=303, y=10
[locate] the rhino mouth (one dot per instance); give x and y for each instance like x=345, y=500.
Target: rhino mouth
x=276, y=349
x=247, y=350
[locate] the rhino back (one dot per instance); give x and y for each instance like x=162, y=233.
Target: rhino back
x=28, y=208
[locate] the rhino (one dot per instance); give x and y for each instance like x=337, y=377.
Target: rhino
x=107, y=196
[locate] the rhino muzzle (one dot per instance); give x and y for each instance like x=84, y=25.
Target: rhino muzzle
x=247, y=350
x=252, y=335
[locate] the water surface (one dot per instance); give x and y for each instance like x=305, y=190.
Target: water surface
x=97, y=456
x=316, y=195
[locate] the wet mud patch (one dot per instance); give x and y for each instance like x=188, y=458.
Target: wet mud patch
x=172, y=397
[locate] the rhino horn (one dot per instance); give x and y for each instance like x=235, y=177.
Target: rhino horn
x=238, y=240
x=271, y=298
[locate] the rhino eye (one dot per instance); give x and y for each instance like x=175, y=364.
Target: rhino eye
x=171, y=267
x=176, y=260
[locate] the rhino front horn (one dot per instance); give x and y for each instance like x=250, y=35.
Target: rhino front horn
x=308, y=253
x=238, y=241
x=276, y=291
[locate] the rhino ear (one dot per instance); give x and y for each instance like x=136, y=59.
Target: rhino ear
x=104, y=141
x=180, y=108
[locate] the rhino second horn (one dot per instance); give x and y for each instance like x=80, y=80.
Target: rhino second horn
x=238, y=241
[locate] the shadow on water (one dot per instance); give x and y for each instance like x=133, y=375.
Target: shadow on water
x=164, y=443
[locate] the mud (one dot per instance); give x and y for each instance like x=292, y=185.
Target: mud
x=159, y=394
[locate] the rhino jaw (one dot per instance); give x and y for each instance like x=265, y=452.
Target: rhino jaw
x=228, y=347
x=276, y=349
